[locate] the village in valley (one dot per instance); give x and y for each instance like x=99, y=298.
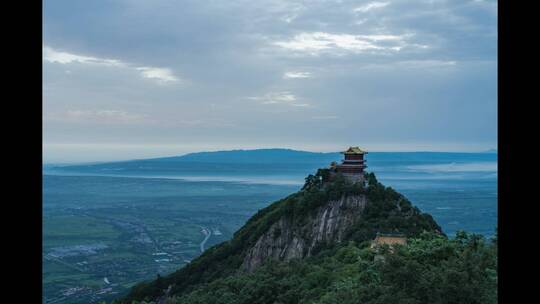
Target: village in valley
x=96, y=248
x=108, y=269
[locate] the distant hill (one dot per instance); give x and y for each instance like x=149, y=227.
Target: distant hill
x=261, y=163
x=276, y=157
x=253, y=156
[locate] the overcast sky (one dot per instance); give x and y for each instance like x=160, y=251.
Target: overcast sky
x=134, y=79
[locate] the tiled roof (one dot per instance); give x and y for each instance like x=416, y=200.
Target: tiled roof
x=354, y=150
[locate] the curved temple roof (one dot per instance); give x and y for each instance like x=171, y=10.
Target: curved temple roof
x=354, y=150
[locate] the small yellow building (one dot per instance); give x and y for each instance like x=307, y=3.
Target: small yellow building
x=388, y=239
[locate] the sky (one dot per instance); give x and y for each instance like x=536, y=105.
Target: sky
x=131, y=79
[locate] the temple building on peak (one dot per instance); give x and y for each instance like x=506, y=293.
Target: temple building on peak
x=352, y=166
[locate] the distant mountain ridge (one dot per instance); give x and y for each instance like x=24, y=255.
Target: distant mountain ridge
x=261, y=162
x=252, y=156
x=264, y=165
x=272, y=155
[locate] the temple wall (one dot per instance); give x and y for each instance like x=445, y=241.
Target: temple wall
x=354, y=157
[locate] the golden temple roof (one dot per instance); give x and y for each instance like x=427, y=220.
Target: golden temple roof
x=354, y=150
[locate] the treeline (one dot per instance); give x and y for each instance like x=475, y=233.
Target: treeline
x=429, y=269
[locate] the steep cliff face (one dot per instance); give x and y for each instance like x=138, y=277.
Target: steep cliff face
x=286, y=239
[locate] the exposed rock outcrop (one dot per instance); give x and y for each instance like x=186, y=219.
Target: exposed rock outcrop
x=286, y=240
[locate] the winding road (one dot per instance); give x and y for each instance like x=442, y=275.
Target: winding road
x=207, y=233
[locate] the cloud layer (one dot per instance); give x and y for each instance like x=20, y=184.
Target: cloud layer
x=321, y=42
x=380, y=74
x=160, y=74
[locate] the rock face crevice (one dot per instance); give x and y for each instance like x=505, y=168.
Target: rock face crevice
x=286, y=240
